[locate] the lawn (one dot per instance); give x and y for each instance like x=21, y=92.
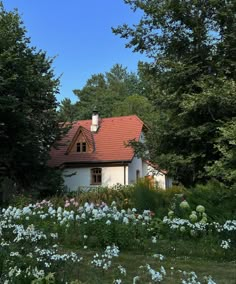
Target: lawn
x=221, y=271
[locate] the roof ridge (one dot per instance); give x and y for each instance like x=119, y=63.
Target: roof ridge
x=109, y=118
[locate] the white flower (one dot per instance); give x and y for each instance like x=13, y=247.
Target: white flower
x=117, y=281
x=135, y=279
x=125, y=220
x=225, y=244
x=182, y=229
x=160, y=256
x=122, y=270
x=154, y=239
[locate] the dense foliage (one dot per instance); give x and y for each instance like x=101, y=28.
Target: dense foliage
x=190, y=82
x=28, y=119
x=115, y=93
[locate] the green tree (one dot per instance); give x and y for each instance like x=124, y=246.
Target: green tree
x=68, y=111
x=28, y=118
x=225, y=167
x=102, y=91
x=134, y=104
x=190, y=79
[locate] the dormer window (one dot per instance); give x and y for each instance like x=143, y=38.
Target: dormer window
x=81, y=147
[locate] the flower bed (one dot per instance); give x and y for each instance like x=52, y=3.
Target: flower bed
x=41, y=242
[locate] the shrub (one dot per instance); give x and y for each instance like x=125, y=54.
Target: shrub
x=217, y=198
x=144, y=196
x=7, y=190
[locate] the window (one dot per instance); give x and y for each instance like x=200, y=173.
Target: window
x=137, y=175
x=96, y=176
x=78, y=147
x=81, y=147
x=84, y=147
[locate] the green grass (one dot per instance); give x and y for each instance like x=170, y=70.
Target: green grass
x=222, y=272
x=185, y=255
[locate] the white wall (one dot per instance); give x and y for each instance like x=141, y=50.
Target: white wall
x=135, y=165
x=81, y=176
x=75, y=177
x=161, y=179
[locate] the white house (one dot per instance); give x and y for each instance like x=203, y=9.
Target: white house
x=94, y=152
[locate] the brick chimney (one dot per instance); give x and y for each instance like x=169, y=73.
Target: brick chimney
x=95, y=121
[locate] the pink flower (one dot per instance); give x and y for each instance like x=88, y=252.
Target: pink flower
x=67, y=204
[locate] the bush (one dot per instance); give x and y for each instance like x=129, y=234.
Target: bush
x=217, y=198
x=51, y=183
x=7, y=190
x=144, y=196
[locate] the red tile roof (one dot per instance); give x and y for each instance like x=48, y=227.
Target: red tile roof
x=109, y=141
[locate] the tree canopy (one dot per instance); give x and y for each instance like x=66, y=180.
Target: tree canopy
x=28, y=118
x=190, y=82
x=114, y=93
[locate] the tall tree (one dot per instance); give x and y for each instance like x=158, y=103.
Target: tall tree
x=190, y=81
x=68, y=111
x=28, y=118
x=103, y=90
x=134, y=104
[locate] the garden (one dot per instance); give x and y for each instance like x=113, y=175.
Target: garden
x=133, y=234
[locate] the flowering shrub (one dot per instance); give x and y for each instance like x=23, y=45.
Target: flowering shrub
x=36, y=241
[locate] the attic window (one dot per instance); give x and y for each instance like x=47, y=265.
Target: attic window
x=96, y=176
x=81, y=147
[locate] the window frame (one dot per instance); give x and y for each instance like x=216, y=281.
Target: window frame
x=96, y=177
x=81, y=147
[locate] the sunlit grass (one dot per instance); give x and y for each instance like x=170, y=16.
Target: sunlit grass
x=221, y=271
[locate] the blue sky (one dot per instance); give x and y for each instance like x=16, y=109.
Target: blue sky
x=79, y=33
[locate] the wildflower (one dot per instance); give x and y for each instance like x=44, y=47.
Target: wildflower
x=225, y=244
x=122, y=270
x=125, y=220
x=154, y=239
x=193, y=233
x=209, y=280
x=117, y=281
x=182, y=229
x=67, y=204
x=135, y=279
x=160, y=256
